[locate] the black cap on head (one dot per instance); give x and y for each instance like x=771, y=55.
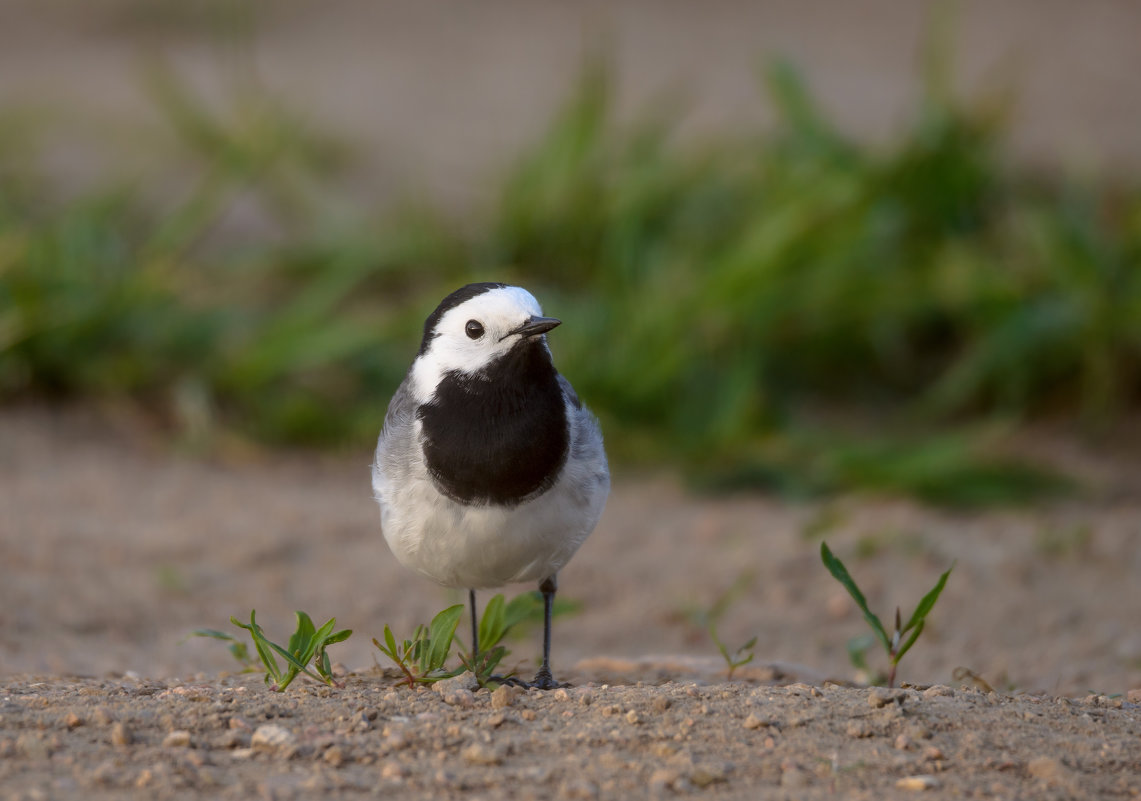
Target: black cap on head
x=464, y=293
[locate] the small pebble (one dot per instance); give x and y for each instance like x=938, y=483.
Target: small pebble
x=753, y=722
x=586, y=698
x=632, y=717
x=271, y=737
x=661, y=703
x=394, y=771
x=917, y=783
x=464, y=681
x=879, y=697
x=121, y=735
x=561, y=694
x=502, y=697
x=101, y=717
x=707, y=774
x=480, y=754
x=793, y=776
x=858, y=728
x=180, y=738
x=106, y=772
x=72, y=720
x=938, y=691
x=1046, y=768
x=460, y=698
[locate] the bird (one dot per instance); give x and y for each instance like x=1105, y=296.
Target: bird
x=489, y=470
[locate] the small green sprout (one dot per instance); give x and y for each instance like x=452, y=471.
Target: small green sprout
x=499, y=617
x=742, y=656
x=422, y=658
x=238, y=649
x=306, y=645
x=896, y=645
x=711, y=617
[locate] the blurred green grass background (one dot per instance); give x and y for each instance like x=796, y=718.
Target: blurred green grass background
x=790, y=309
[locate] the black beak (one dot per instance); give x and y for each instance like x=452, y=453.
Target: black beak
x=533, y=327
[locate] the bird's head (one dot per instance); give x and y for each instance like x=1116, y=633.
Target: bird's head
x=474, y=327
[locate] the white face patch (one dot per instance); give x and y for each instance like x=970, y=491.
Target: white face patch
x=497, y=311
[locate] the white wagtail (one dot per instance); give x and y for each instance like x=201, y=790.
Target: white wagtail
x=489, y=470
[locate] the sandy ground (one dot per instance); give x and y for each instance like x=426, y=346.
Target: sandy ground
x=113, y=548
x=230, y=739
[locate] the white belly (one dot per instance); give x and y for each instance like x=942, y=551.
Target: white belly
x=486, y=546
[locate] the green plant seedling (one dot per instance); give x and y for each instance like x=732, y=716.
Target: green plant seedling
x=711, y=617
x=306, y=645
x=742, y=656
x=422, y=658
x=499, y=618
x=903, y=637
x=238, y=649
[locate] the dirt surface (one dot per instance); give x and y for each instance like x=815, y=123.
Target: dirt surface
x=229, y=738
x=113, y=547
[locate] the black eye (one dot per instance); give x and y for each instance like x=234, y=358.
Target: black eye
x=473, y=329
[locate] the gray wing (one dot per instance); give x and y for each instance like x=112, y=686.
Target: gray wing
x=587, y=451
x=396, y=448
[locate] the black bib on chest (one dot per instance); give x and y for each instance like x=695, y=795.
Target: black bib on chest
x=501, y=436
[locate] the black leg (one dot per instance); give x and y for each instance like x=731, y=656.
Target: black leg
x=475, y=646
x=474, y=627
x=543, y=679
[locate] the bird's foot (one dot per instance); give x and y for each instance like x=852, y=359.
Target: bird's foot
x=509, y=681
x=545, y=681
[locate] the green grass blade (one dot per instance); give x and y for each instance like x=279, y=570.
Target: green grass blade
x=241, y=653
x=295, y=664
x=273, y=671
x=265, y=654
x=384, y=649
x=211, y=633
x=493, y=625
x=339, y=636
x=910, y=641
x=520, y=608
x=928, y=602
x=302, y=636
x=440, y=634
x=318, y=640
x=840, y=573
